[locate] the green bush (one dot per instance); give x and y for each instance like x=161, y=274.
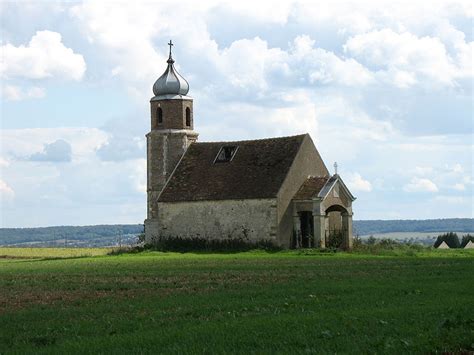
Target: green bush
x=387, y=246
x=356, y=242
x=388, y=243
x=179, y=244
x=335, y=240
x=371, y=240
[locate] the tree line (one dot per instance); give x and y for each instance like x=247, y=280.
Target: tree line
x=9, y=236
x=463, y=225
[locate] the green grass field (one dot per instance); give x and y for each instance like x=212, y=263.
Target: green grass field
x=254, y=302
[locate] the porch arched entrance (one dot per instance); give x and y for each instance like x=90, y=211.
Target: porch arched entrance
x=327, y=203
x=336, y=227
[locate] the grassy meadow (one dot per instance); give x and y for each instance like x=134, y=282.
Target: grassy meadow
x=66, y=301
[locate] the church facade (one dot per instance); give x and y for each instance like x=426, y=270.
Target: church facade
x=276, y=189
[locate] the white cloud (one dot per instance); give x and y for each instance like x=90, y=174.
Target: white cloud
x=468, y=180
x=122, y=146
x=355, y=182
x=45, y=56
x=245, y=70
x=20, y=143
x=57, y=151
x=138, y=175
x=81, y=192
x=262, y=11
x=36, y=92
x=15, y=93
x=420, y=185
x=5, y=190
x=459, y=187
x=450, y=199
x=4, y=163
x=424, y=170
x=457, y=168
x=247, y=120
x=404, y=58
x=74, y=193
x=274, y=69
x=126, y=32
x=324, y=66
x=125, y=139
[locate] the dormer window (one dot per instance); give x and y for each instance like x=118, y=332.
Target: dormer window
x=226, y=154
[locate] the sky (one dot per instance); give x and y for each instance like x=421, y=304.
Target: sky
x=385, y=88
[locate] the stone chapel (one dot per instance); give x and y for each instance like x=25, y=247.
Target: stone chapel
x=272, y=189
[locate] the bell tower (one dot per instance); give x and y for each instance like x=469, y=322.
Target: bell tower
x=171, y=133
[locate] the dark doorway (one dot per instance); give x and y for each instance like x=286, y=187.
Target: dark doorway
x=307, y=229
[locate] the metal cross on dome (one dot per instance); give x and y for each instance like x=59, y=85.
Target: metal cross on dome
x=170, y=44
x=335, y=168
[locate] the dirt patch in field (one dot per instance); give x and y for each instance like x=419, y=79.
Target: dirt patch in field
x=84, y=288
x=18, y=301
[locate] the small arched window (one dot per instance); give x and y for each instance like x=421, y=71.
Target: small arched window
x=159, y=115
x=188, y=117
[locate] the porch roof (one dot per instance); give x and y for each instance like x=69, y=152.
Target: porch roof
x=319, y=186
x=311, y=187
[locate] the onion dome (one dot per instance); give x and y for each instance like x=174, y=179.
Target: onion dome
x=170, y=82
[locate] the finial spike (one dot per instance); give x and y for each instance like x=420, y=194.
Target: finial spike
x=170, y=44
x=335, y=168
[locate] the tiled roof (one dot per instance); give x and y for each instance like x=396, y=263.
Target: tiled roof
x=311, y=187
x=257, y=170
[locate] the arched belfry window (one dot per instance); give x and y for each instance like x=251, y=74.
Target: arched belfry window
x=188, y=117
x=159, y=115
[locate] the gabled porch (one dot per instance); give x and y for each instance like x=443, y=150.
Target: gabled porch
x=322, y=214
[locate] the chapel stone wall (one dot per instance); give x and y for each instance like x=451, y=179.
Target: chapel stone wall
x=307, y=162
x=252, y=220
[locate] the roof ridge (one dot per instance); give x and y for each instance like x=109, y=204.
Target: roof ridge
x=255, y=140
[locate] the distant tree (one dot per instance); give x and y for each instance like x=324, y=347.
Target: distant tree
x=357, y=242
x=450, y=238
x=371, y=240
x=465, y=239
x=431, y=225
x=387, y=242
x=438, y=241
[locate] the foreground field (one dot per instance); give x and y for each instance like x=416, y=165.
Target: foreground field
x=51, y=253
x=285, y=302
